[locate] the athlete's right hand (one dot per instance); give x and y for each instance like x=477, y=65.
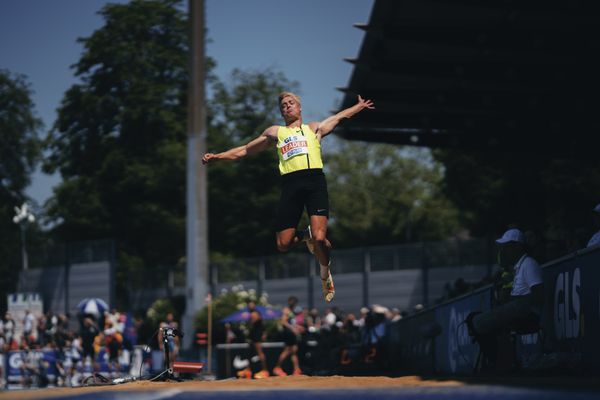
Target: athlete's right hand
x=208, y=157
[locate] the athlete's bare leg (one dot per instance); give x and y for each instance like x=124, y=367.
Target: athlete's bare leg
x=284, y=354
x=285, y=239
x=261, y=355
x=294, y=359
x=322, y=250
x=318, y=227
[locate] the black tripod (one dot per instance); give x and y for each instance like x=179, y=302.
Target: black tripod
x=167, y=373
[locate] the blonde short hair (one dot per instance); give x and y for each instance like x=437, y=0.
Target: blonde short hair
x=283, y=95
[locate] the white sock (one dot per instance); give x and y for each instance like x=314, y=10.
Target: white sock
x=324, y=271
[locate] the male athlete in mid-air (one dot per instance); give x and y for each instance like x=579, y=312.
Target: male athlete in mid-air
x=303, y=183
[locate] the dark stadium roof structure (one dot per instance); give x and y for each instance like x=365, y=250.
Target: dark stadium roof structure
x=495, y=75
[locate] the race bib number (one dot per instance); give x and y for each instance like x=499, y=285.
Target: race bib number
x=293, y=146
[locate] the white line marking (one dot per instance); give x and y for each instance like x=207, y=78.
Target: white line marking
x=165, y=394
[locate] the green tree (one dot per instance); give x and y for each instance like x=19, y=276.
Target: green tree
x=119, y=141
x=551, y=197
x=383, y=194
x=19, y=152
x=477, y=183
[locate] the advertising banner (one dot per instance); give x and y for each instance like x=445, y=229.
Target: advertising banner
x=411, y=343
x=42, y=368
x=455, y=351
x=33, y=368
x=571, y=315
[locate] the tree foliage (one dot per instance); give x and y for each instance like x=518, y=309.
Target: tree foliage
x=18, y=135
x=382, y=194
x=119, y=140
x=550, y=197
x=19, y=152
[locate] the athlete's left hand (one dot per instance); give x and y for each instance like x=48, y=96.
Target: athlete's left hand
x=365, y=103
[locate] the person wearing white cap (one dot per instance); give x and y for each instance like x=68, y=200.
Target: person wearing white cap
x=595, y=240
x=522, y=312
x=528, y=274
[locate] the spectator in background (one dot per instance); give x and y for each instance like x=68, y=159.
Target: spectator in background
x=292, y=325
x=99, y=342
x=89, y=331
x=522, y=311
x=373, y=332
x=351, y=330
x=172, y=340
x=231, y=335
x=73, y=360
x=113, y=340
x=595, y=239
x=29, y=367
x=364, y=312
x=29, y=327
x=130, y=326
x=50, y=327
x=62, y=331
x=114, y=319
x=257, y=336
x=313, y=322
x=329, y=319
x=375, y=325
x=305, y=317
x=41, y=326
x=9, y=329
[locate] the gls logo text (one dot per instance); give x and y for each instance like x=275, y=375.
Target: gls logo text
x=567, y=304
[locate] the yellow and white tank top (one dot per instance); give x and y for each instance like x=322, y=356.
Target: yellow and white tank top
x=298, y=149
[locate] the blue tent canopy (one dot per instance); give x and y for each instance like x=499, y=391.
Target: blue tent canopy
x=92, y=306
x=244, y=314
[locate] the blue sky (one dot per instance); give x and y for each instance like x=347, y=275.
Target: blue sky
x=306, y=39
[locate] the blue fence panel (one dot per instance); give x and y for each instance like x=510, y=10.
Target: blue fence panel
x=21, y=364
x=571, y=316
x=411, y=349
x=455, y=351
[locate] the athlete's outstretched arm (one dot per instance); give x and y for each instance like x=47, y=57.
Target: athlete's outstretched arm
x=326, y=126
x=267, y=139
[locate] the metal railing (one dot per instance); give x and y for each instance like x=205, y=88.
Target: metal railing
x=72, y=253
x=423, y=255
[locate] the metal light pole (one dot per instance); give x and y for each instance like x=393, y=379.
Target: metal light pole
x=197, y=215
x=22, y=217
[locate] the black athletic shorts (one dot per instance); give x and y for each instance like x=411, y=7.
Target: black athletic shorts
x=299, y=190
x=288, y=337
x=255, y=334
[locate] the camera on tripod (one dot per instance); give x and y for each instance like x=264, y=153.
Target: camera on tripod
x=171, y=332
